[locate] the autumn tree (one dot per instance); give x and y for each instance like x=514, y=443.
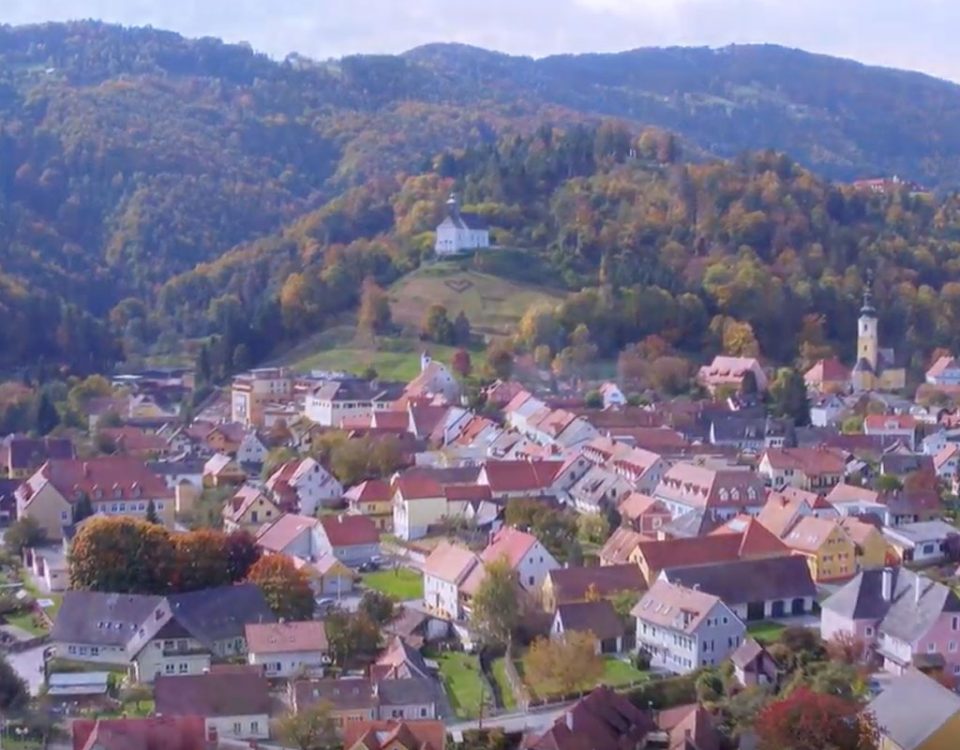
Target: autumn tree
x=374, y=315
x=241, y=552
x=592, y=528
x=807, y=720
x=436, y=325
x=286, y=589
x=496, y=605
x=461, y=363
x=201, y=560
x=563, y=665
x=500, y=360
x=310, y=729
x=376, y=605
x=122, y=555
x=351, y=635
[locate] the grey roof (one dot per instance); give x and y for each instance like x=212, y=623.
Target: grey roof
x=99, y=619
x=182, y=466
x=906, y=616
x=356, y=389
x=750, y=580
x=220, y=613
x=923, y=531
x=696, y=522
x=863, y=366
x=733, y=427
x=912, y=708
x=599, y=618
x=465, y=220
x=409, y=691
x=902, y=464
x=746, y=652
x=229, y=692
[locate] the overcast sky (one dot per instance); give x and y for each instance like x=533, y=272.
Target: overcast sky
x=914, y=34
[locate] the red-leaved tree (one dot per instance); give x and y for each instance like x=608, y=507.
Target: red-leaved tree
x=807, y=720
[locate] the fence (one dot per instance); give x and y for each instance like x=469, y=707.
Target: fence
x=520, y=690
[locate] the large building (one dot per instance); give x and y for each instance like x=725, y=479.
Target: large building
x=460, y=232
x=254, y=390
x=874, y=369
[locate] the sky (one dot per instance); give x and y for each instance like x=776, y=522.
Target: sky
x=912, y=34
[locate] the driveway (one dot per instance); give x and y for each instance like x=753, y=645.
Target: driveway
x=536, y=720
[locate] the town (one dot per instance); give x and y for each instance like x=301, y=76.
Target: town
x=334, y=560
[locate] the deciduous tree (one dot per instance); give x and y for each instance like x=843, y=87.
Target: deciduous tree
x=807, y=720
x=202, y=560
x=496, y=606
x=310, y=729
x=563, y=665
x=241, y=551
x=286, y=589
x=22, y=533
x=374, y=315
x=122, y=555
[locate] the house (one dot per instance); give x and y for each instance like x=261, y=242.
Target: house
x=748, y=433
x=597, y=618
x=911, y=506
x=460, y=231
x=870, y=547
x=150, y=733
x=612, y=396
x=355, y=699
x=915, y=712
x=580, y=584
x=252, y=450
x=902, y=427
x=336, y=401
x=730, y=372
x=683, y=630
x=373, y=499
x=643, y=513
x=601, y=719
x=753, y=665
x=411, y=734
x=425, y=497
x=783, y=509
x=114, y=485
x=289, y=535
x=828, y=376
x=827, y=410
x=829, y=550
x=446, y=569
x=252, y=391
x=249, y=509
x=180, y=634
x=813, y=469
x=851, y=500
x=945, y=371
x=288, y=649
x=904, y=616
x=221, y=470
x=641, y=467
x=688, y=727
x=303, y=486
x=926, y=543
x=21, y=456
x=401, y=661
x=434, y=379
x=621, y=547
x=525, y=555
x=234, y=701
x=132, y=441
x=598, y=490
x=754, y=589
x=946, y=464
x=328, y=576
x=902, y=465
x=513, y=479
x=225, y=437
x=723, y=544
x=353, y=540
x=722, y=492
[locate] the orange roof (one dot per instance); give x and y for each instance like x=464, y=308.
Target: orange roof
x=810, y=534
x=942, y=365
x=371, y=491
x=850, y=493
x=510, y=543
x=168, y=732
x=811, y=461
x=349, y=530
x=285, y=637
x=673, y=553
x=636, y=504
x=516, y=476
x=621, y=544
x=780, y=512
x=882, y=422
x=755, y=539
x=450, y=562
x=410, y=734
x=107, y=477
x=279, y=534
x=675, y=607
x=827, y=371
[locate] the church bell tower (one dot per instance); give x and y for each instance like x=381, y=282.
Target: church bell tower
x=867, y=337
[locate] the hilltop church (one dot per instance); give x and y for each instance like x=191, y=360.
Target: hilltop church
x=875, y=369
x=460, y=232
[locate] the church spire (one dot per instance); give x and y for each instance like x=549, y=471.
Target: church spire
x=868, y=310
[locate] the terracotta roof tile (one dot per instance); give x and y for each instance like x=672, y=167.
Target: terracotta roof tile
x=510, y=543
x=343, y=530
x=285, y=637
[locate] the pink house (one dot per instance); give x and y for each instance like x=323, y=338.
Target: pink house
x=905, y=617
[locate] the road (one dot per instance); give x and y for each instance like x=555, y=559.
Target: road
x=29, y=665
x=521, y=721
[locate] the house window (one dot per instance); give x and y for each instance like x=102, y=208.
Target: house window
x=71, y=649
x=168, y=668
x=868, y=631
x=94, y=651
x=237, y=728
x=183, y=667
x=254, y=727
x=931, y=647
x=65, y=515
x=952, y=646
x=955, y=623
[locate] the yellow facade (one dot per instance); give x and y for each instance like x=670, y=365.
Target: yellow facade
x=260, y=511
x=872, y=551
x=947, y=737
x=835, y=559
x=380, y=512
x=50, y=510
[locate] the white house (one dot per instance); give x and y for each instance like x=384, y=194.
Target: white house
x=337, y=400
x=305, y=485
x=288, y=649
x=524, y=554
x=945, y=371
x=445, y=571
x=460, y=231
x=235, y=701
x=613, y=397
x=251, y=449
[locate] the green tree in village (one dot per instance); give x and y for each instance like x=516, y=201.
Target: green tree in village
x=496, y=604
x=788, y=395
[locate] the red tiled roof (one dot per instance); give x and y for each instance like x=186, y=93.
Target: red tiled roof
x=285, y=637
x=371, y=491
x=467, y=492
x=675, y=553
x=881, y=422
x=107, y=477
x=755, y=539
x=410, y=734
x=518, y=476
x=418, y=487
x=134, y=439
x=811, y=461
x=279, y=534
x=673, y=606
x=238, y=691
x=942, y=365
x=153, y=733
x=636, y=504
x=621, y=544
x=450, y=562
x=827, y=371
x=349, y=530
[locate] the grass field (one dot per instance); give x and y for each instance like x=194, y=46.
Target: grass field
x=617, y=673
x=25, y=621
x=494, y=305
x=765, y=630
x=401, y=583
x=503, y=684
x=460, y=673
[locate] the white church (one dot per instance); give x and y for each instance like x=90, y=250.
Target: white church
x=460, y=232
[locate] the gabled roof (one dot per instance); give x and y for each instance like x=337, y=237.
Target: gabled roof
x=746, y=652
x=349, y=530
x=450, y=562
x=669, y=553
x=755, y=539
x=519, y=476
x=743, y=581
x=621, y=544
x=286, y=637
x=601, y=720
x=882, y=422
x=809, y=534
x=20, y=453
x=509, y=543
x=942, y=365
x=371, y=491
x=811, y=461
x=106, y=477
x=419, y=734
x=849, y=493
x=220, y=613
x=599, y=618
x=912, y=708
x=236, y=692
x=690, y=727
x=674, y=607
x=97, y=618
x=280, y=534
x=572, y=584
x=400, y=660
x=151, y=733
x=827, y=371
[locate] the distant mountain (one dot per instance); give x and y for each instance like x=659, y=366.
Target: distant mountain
x=135, y=161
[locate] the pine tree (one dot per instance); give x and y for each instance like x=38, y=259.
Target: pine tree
x=83, y=508
x=45, y=415
x=152, y=513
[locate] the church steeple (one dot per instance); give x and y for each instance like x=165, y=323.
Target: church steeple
x=868, y=310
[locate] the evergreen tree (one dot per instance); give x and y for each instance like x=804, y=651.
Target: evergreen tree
x=83, y=508
x=151, y=516
x=45, y=415
x=788, y=393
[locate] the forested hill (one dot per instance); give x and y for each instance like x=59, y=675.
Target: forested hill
x=151, y=186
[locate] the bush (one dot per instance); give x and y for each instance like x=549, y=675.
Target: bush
x=642, y=661
x=660, y=694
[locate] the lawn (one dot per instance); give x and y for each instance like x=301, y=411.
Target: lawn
x=765, y=630
x=500, y=676
x=400, y=583
x=461, y=677
x=617, y=673
x=24, y=620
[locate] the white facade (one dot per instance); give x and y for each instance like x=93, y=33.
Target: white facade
x=453, y=238
x=534, y=566
x=251, y=450
x=291, y=663
x=252, y=727
x=442, y=597
x=315, y=486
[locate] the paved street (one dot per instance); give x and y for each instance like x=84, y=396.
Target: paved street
x=29, y=665
x=520, y=721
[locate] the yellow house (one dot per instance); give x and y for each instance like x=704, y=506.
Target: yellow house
x=872, y=548
x=917, y=713
x=830, y=552
x=372, y=498
x=45, y=505
x=249, y=509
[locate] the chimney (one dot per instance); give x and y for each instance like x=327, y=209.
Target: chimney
x=886, y=579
